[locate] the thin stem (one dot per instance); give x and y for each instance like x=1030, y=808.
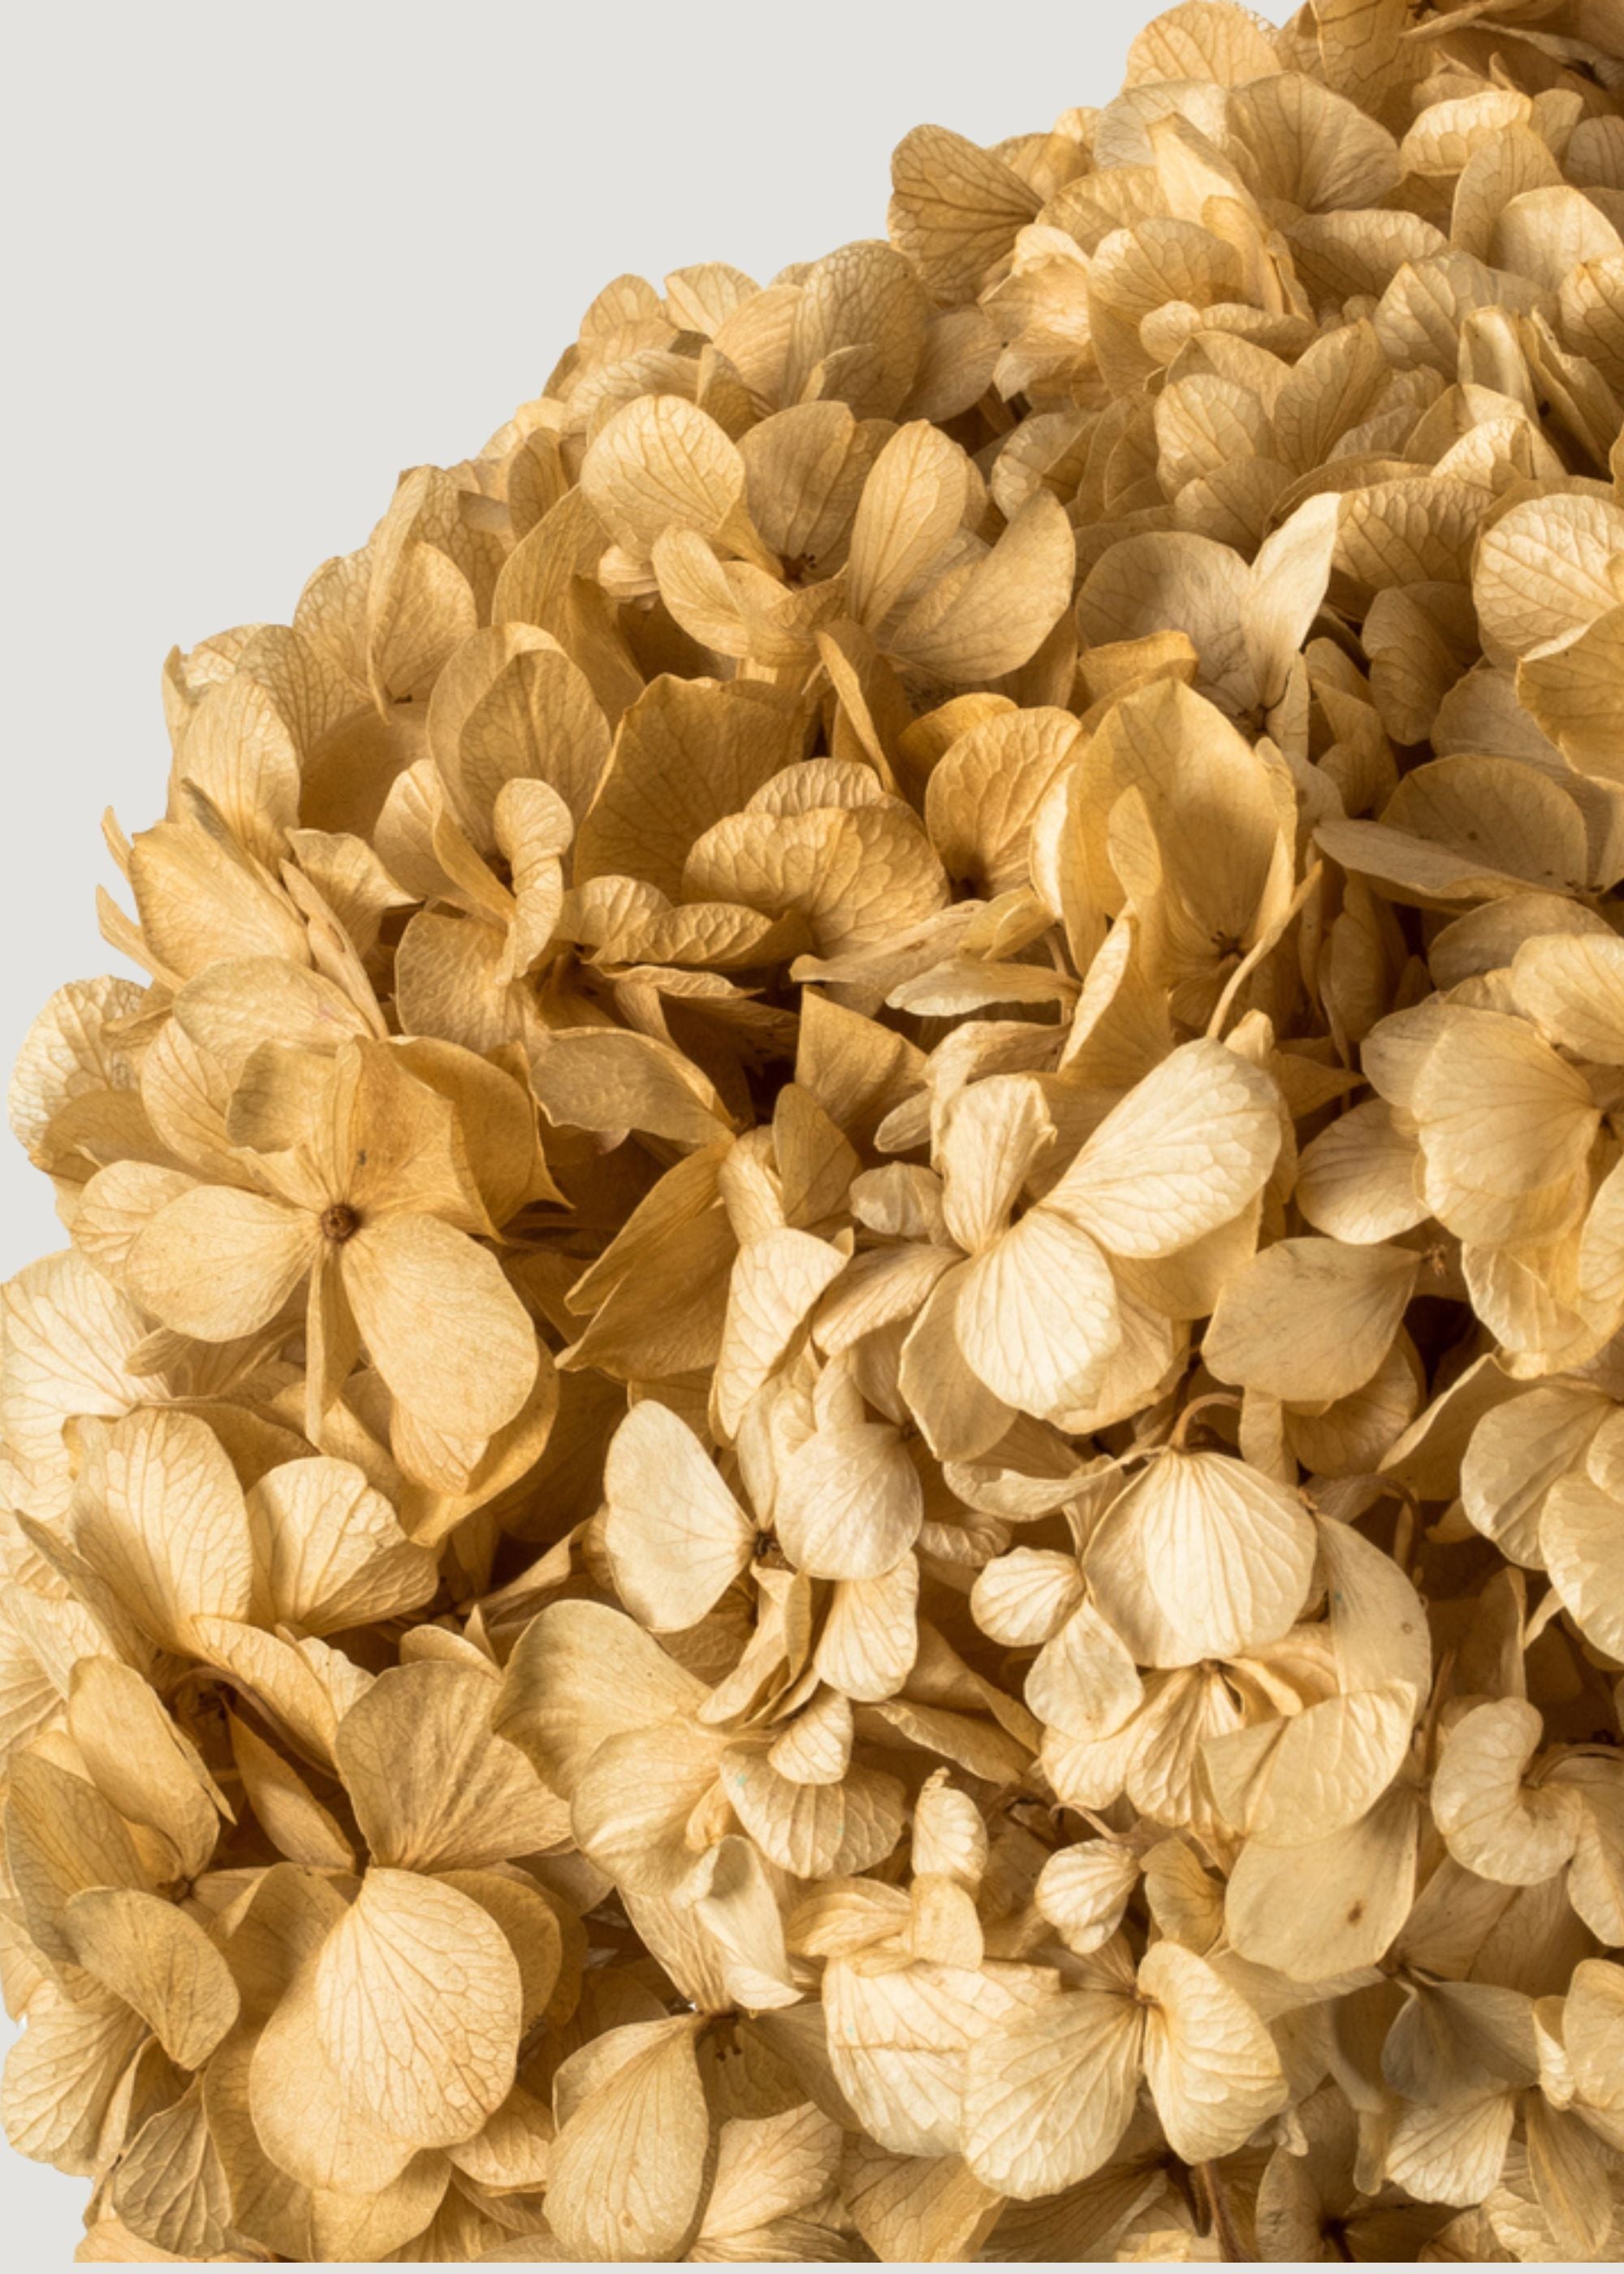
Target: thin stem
x=1221, y=2217
x=1199, y=1405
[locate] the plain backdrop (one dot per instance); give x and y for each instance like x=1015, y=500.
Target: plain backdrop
x=262, y=258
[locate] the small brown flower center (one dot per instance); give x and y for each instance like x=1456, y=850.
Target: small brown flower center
x=338, y=1222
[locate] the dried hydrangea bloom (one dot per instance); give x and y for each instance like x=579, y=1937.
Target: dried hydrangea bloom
x=829, y=1462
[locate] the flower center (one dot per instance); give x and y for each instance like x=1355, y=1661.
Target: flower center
x=338, y=1222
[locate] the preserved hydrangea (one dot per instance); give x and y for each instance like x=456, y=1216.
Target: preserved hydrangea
x=830, y=1462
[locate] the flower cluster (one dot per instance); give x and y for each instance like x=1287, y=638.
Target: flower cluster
x=830, y=1463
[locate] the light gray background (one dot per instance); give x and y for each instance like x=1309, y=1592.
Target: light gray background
x=264, y=257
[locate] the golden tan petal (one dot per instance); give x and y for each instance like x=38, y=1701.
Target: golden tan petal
x=69, y=1053
x=675, y=1535
x=63, y=2075
x=608, y=1080
x=433, y=1785
x=169, y=2188
x=141, y=1762
x=1595, y=2004
x=913, y=503
x=1541, y=574
x=311, y=2128
x=1573, y=692
x=996, y=618
x=638, y=1799
x=330, y=1549
x=858, y=878
x=955, y=209
x=416, y=2005
x=686, y=753
x=160, y=1962
x=1201, y=40
x=170, y=1533
x=1309, y=1320
x=579, y=1673
x=217, y=1263
x=661, y=463
x=295, y=1822
x=442, y=1325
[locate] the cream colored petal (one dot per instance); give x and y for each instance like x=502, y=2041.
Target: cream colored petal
x=1319, y=1911
x=959, y=1416
x=1582, y=1538
x=1498, y=1111
x=1023, y=1597
x=1210, y=2063
x=1358, y=1179
x=1084, y=1891
x=1591, y=2020
x=1180, y=1155
x=992, y=1132
x=1496, y=1823
x=1379, y=1627
x=870, y=1635
x=1083, y=1682
x=775, y=1284
x=849, y=1502
x=898, y=2034
x=1036, y=1315
x=627, y=2168
x=1290, y=1781
x=1573, y=985
x=1201, y=1557
x=1048, y=2096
